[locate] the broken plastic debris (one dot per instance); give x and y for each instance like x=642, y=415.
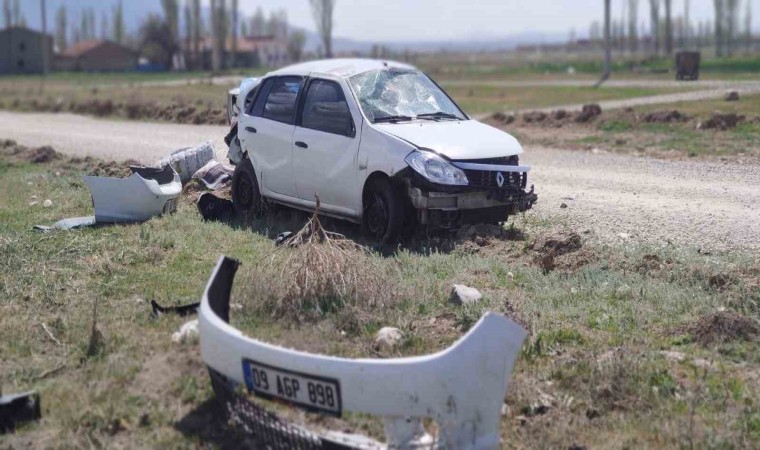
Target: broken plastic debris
x=213, y=208
x=18, y=408
x=461, y=388
x=69, y=224
x=146, y=193
x=182, y=310
x=187, y=161
x=214, y=174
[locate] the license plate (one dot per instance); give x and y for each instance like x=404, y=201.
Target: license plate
x=310, y=392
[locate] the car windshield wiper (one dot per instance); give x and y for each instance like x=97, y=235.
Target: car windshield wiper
x=438, y=115
x=392, y=119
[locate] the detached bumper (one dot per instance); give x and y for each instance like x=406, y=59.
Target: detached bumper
x=461, y=388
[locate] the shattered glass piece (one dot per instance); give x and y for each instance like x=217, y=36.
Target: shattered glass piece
x=400, y=92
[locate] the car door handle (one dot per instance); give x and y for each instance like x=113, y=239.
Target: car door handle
x=301, y=144
x=251, y=129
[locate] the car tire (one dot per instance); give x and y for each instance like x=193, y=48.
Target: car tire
x=246, y=197
x=383, y=218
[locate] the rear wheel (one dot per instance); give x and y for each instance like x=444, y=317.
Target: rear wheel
x=246, y=197
x=383, y=218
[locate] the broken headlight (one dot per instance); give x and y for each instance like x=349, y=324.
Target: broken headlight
x=436, y=169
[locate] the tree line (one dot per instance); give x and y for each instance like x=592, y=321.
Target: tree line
x=661, y=32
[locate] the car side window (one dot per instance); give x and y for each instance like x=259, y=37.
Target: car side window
x=281, y=99
x=325, y=109
x=261, y=98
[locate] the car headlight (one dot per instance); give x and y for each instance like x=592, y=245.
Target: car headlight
x=436, y=169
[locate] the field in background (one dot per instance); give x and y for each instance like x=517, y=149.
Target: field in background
x=645, y=346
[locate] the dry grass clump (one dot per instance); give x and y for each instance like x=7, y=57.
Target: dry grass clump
x=316, y=274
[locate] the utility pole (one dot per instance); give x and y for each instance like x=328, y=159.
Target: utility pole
x=607, y=45
x=668, y=28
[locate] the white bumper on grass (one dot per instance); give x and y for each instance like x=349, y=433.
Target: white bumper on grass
x=132, y=199
x=461, y=388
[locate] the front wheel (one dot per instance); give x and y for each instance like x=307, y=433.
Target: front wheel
x=383, y=217
x=246, y=197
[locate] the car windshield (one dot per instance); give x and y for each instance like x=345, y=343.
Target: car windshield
x=402, y=94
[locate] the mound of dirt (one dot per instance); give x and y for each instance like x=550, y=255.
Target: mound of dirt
x=483, y=234
x=560, y=114
x=21, y=154
x=724, y=326
x=534, y=117
x=502, y=119
x=549, y=249
x=589, y=113
x=722, y=122
x=665, y=117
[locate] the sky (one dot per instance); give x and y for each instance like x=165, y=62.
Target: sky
x=426, y=20
x=404, y=20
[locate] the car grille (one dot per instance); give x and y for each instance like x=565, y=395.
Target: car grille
x=489, y=179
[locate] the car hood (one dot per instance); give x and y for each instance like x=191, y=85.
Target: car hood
x=462, y=139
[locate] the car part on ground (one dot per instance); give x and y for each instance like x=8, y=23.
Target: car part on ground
x=135, y=198
x=187, y=161
x=16, y=409
x=461, y=388
x=214, y=174
x=214, y=208
x=72, y=223
x=181, y=310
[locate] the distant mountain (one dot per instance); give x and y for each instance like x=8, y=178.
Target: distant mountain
x=135, y=12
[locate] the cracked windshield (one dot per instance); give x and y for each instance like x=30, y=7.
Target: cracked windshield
x=401, y=94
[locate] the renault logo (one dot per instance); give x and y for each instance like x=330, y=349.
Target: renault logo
x=500, y=179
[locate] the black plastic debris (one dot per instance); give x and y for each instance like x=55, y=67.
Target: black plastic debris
x=72, y=223
x=182, y=310
x=214, y=208
x=162, y=175
x=282, y=238
x=18, y=408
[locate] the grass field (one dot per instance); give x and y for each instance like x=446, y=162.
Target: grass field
x=613, y=359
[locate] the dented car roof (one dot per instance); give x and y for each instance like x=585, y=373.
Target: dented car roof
x=344, y=68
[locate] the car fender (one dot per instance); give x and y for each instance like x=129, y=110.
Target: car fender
x=380, y=152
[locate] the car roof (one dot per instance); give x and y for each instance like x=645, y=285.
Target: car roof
x=344, y=68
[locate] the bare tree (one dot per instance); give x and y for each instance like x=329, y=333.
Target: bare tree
x=731, y=12
x=654, y=17
x=118, y=23
x=668, y=28
x=258, y=23
x=295, y=45
x=719, y=20
x=103, y=26
x=17, y=19
x=171, y=14
x=196, y=30
x=748, y=27
x=234, y=32
x=686, y=23
x=218, y=33
x=633, y=18
x=323, y=16
x=61, y=27
x=607, y=45
x=7, y=13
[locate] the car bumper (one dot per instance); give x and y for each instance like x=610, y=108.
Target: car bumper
x=472, y=375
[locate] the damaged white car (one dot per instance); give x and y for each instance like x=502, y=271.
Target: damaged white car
x=379, y=143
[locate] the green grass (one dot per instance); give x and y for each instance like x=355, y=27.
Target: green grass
x=596, y=329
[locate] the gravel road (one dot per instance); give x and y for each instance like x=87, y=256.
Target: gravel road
x=713, y=205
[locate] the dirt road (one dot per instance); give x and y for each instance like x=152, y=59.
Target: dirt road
x=712, y=205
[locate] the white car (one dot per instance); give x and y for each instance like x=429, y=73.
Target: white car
x=378, y=142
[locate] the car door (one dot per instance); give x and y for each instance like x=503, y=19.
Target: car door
x=267, y=135
x=325, y=147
